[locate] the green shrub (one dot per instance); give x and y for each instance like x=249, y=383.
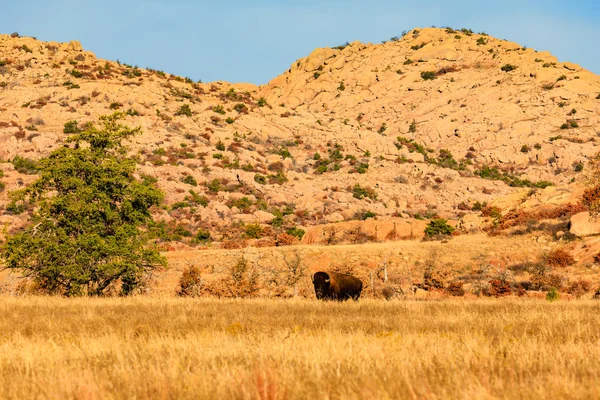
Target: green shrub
x=203, y=235
x=220, y=146
x=243, y=204
x=190, y=180
x=428, y=75
x=258, y=178
x=76, y=74
x=184, y=110
x=262, y=102
x=230, y=120
x=412, y=128
x=508, y=67
x=241, y=108
x=481, y=41
x=297, y=232
x=360, y=192
x=214, y=186
x=368, y=214
x=219, y=109
x=552, y=295
x=25, y=165
x=578, y=166
x=2, y=186
x=341, y=87
x=254, y=231
x=71, y=127
x=438, y=226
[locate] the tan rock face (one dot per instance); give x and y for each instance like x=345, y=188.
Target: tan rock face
x=583, y=224
x=344, y=132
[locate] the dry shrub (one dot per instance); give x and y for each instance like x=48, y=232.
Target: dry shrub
x=233, y=244
x=560, y=258
x=455, y=288
x=190, y=282
x=579, y=287
x=357, y=236
x=433, y=279
x=265, y=242
x=591, y=198
x=541, y=279
x=284, y=239
x=597, y=258
x=519, y=218
x=499, y=288
x=242, y=280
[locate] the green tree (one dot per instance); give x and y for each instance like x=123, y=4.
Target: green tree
x=86, y=232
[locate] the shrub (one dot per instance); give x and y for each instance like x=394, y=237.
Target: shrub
x=258, y=178
x=499, y=288
x=285, y=239
x=597, y=258
x=71, y=127
x=219, y=109
x=455, y=288
x=578, y=167
x=561, y=78
x=552, y=295
x=428, y=75
x=525, y=149
x=2, y=186
x=25, y=166
x=190, y=180
x=203, y=235
x=412, y=128
x=438, y=226
x=508, y=67
x=559, y=258
x=184, y=110
x=220, y=145
x=254, y=231
x=243, y=204
x=297, y=232
x=214, y=186
x=481, y=41
x=342, y=86
x=360, y=192
x=190, y=282
x=262, y=102
x=382, y=128
x=115, y=105
x=241, y=108
x=579, y=287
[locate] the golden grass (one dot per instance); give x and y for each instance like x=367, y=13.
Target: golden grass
x=202, y=348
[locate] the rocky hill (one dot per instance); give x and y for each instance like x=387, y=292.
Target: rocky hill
x=438, y=122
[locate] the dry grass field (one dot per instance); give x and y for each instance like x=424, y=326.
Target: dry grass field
x=171, y=348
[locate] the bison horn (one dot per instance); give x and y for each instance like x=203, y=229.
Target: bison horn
x=327, y=280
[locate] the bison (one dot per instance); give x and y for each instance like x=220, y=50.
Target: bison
x=334, y=286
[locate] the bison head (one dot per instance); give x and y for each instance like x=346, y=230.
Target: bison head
x=321, y=281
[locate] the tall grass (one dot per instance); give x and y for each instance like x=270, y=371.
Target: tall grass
x=297, y=349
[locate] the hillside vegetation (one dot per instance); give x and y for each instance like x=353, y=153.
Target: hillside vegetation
x=430, y=124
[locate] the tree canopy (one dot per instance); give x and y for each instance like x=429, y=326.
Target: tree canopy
x=87, y=231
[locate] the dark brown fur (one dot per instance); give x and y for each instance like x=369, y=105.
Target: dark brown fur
x=334, y=286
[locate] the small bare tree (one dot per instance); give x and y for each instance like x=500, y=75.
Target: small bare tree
x=295, y=269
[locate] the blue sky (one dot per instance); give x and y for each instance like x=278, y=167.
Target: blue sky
x=256, y=40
